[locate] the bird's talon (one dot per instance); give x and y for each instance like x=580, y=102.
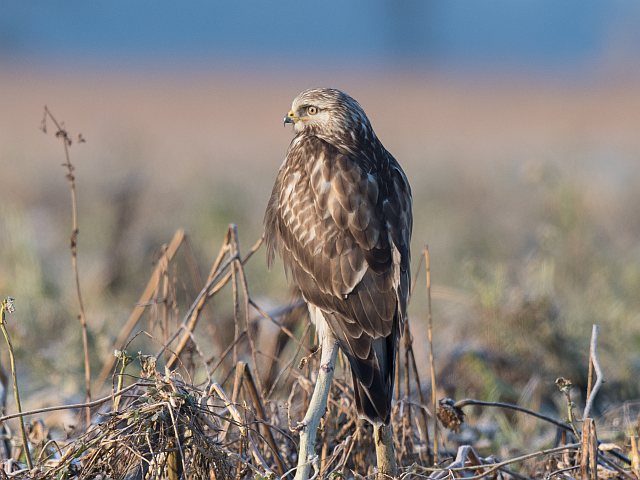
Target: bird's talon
x=327, y=368
x=299, y=427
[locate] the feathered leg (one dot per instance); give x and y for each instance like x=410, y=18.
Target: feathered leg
x=306, y=455
x=385, y=455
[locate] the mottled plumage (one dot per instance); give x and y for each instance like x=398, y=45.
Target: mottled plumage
x=340, y=216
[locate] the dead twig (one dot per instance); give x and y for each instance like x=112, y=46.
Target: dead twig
x=434, y=400
x=64, y=136
x=589, y=451
x=262, y=415
x=491, y=468
x=510, y=406
x=239, y=269
x=7, y=307
x=72, y=406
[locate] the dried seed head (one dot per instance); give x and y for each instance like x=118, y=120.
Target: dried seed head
x=564, y=384
x=450, y=415
x=8, y=305
x=147, y=366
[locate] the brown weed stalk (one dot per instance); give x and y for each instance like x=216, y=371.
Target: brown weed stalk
x=7, y=307
x=65, y=138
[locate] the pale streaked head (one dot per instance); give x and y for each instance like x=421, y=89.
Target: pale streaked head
x=327, y=112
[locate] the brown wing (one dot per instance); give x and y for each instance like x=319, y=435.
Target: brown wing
x=342, y=224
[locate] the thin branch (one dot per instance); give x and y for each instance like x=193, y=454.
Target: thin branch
x=72, y=406
x=239, y=267
x=497, y=466
x=66, y=142
x=307, y=457
x=470, y=401
x=226, y=352
x=7, y=306
x=262, y=415
x=434, y=400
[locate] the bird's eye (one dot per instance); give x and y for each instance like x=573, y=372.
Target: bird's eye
x=312, y=110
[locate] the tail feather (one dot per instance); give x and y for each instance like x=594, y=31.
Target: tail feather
x=373, y=376
x=374, y=405
x=373, y=380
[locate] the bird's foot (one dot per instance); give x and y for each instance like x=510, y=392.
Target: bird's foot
x=327, y=368
x=298, y=427
x=304, y=360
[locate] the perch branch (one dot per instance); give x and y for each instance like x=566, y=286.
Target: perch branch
x=317, y=407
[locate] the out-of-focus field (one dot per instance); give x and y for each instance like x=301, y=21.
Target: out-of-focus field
x=526, y=191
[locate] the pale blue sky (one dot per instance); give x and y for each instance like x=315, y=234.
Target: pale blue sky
x=422, y=33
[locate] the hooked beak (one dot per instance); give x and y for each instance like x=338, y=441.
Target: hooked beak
x=290, y=118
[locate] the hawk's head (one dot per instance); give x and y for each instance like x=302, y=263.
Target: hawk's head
x=328, y=112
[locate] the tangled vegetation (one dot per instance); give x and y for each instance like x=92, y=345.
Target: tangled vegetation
x=221, y=377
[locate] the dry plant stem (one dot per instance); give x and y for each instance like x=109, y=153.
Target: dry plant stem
x=66, y=142
x=465, y=457
x=288, y=369
x=497, y=466
x=236, y=302
x=233, y=230
x=570, y=416
x=317, y=406
x=224, y=354
x=4, y=432
x=4, y=383
x=385, y=455
x=278, y=312
x=423, y=411
x=635, y=455
x=14, y=375
x=593, y=360
x=237, y=384
x=235, y=414
x=262, y=415
x=116, y=398
x=72, y=406
x=216, y=280
x=165, y=302
x=407, y=371
x=199, y=305
x=410, y=356
x=140, y=307
x=589, y=451
x=208, y=290
x=434, y=400
x=470, y=401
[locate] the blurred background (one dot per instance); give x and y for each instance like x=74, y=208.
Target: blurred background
x=516, y=122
